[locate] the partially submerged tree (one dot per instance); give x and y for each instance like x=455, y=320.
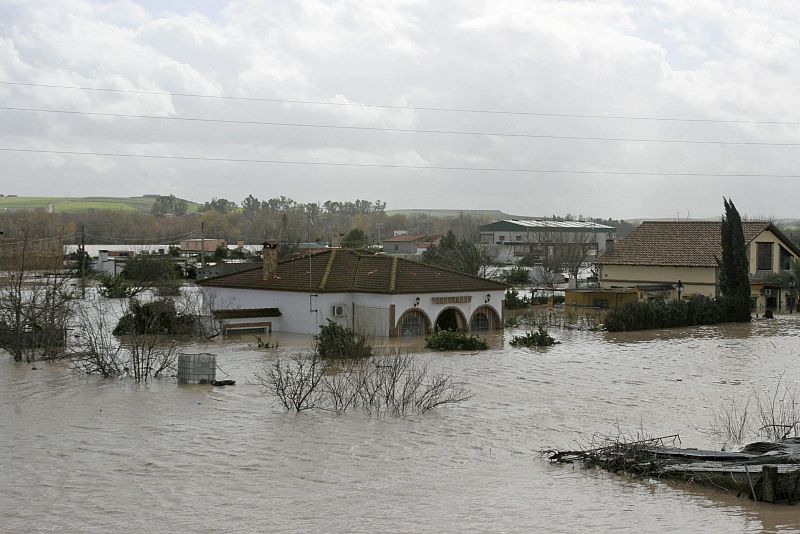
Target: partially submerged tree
x=555, y=252
x=393, y=385
x=140, y=343
x=35, y=297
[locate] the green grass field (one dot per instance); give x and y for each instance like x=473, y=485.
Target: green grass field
x=72, y=206
x=78, y=204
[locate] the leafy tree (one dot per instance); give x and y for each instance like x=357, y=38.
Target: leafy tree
x=734, y=277
x=251, y=206
x=517, y=276
x=221, y=205
x=456, y=254
x=151, y=271
x=355, y=238
x=114, y=287
x=221, y=253
x=169, y=205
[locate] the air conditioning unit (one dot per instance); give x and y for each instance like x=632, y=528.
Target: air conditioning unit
x=338, y=311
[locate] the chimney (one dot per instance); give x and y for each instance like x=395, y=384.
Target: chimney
x=610, y=245
x=240, y=244
x=269, y=254
x=336, y=240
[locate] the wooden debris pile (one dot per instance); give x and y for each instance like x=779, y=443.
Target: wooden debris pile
x=763, y=471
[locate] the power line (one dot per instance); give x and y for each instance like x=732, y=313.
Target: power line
x=397, y=107
x=399, y=166
x=146, y=242
x=17, y=242
x=400, y=130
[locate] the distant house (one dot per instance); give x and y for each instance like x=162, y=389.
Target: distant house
x=661, y=253
x=207, y=244
x=377, y=295
x=408, y=244
x=509, y=240
x=112, y=262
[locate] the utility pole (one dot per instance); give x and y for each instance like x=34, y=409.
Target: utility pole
x=82, y=259
x=202, y=245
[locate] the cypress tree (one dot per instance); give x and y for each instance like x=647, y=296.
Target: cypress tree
x=734, y=276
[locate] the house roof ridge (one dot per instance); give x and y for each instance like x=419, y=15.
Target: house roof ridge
x=328, y=269
x=393, y=276
x=453, y=271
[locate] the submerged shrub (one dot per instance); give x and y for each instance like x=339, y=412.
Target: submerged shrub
x=156, y=317
x=394, y=385
x=337, y=341
x=540, y=338
x=454, y=340
x=116, y=287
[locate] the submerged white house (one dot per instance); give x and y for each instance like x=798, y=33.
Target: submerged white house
x=373, y=294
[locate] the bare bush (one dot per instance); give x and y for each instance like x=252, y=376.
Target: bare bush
x=201, y=305
x=140, y=354
x=393, y=385
x=96, y=350
x=35, y=299
x=766, y=414
x=294, y=383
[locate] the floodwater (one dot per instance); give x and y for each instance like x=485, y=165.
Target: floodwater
x=82, y=454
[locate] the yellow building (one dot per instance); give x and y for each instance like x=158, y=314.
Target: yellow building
x=666, y=252
x=599, y=297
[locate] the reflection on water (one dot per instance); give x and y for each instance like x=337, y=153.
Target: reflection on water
x=84, y=454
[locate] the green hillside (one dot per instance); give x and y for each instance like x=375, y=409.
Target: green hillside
x=78, y=204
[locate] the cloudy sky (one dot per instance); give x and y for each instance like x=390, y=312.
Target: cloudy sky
x=606, y=108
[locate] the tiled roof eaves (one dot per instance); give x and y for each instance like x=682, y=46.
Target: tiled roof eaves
x=783, y=237
x=224, y=275
x=349, y=272
x=601, y=261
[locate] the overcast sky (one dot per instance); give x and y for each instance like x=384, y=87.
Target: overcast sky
x=730, y=69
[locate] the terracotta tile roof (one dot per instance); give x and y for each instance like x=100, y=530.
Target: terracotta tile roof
x=345, y=271
x=678, y=243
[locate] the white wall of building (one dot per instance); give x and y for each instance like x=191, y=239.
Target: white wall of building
x=296, y=308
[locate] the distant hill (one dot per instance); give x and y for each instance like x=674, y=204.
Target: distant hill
x=444, y=214
x=77, y=204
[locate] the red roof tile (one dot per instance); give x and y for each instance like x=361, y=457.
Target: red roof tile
x=345, y=271
x=679, y=243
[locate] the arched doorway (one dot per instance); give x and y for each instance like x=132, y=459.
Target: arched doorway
x=414, y=322
x=484, y=318
x=451, y=319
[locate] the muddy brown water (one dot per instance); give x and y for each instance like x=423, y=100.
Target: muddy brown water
x=82, y=454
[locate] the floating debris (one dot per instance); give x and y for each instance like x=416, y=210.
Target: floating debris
x=763, y=471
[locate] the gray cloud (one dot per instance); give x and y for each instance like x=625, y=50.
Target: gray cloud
x=703, y=60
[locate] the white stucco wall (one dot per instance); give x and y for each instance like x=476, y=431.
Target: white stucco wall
x=297, y=317
x=695, y=280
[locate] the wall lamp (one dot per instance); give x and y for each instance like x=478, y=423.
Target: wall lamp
x=488, y=298
x=416, y=302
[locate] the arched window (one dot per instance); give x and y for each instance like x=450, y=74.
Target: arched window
x=412, y=324
x=479, y=321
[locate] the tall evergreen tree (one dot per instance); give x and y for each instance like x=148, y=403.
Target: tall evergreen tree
x=734, y=275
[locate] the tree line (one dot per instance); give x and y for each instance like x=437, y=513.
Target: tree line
x=252, y=220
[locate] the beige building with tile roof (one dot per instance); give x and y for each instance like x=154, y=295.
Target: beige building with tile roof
x=661, y=253
x=377, y=295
